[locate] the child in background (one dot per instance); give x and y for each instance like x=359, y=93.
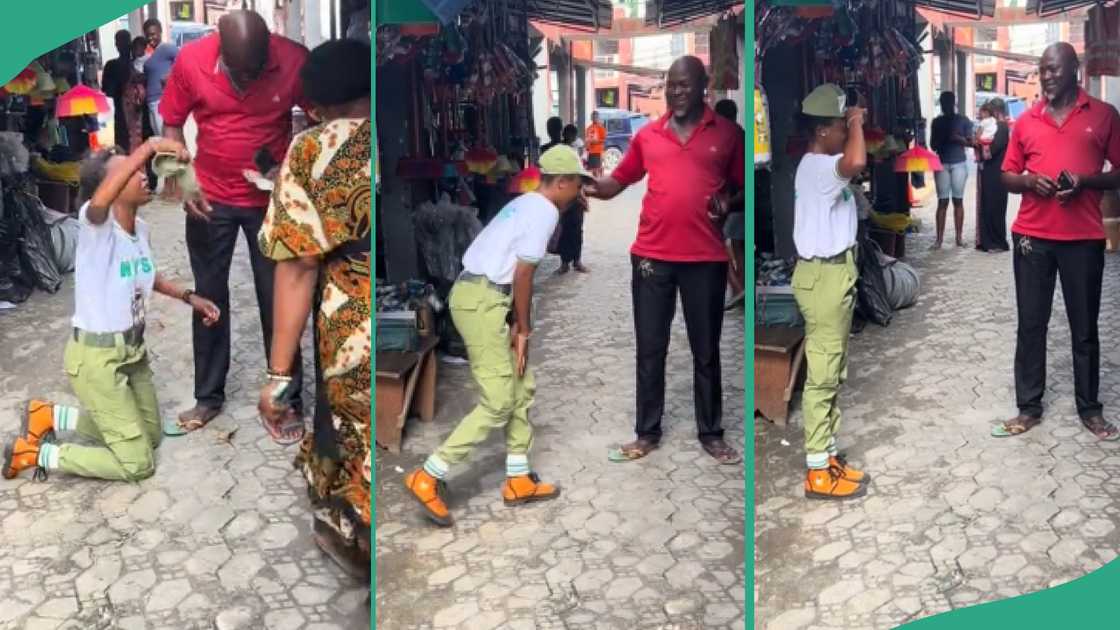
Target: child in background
x=986, y=132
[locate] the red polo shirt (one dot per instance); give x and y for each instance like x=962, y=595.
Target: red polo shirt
x=674, y=224
x=233, y=126
x=1089, y=136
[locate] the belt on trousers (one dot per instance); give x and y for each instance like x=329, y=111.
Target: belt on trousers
x=504, y=289
x=838, y=259
x=132, y=337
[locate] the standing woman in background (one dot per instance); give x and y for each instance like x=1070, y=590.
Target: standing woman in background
x=993, y=193
x=571, y=223
x=318, y=231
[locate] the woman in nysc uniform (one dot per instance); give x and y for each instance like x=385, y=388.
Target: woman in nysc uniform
x=106, y=358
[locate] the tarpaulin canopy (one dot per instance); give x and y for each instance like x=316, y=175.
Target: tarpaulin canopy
x=585, y=14
x=1050, y=7
x=669, y=12
x=967, y=8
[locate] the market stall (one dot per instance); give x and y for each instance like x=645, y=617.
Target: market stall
x=50, y=115
x=873, y=51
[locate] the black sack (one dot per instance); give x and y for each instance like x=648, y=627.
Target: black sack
x=36, y=249
x=872, y=301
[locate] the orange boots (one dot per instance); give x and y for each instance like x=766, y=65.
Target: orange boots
x=527, y=489
x=38, y=422
x=851, y=474
x=19, y=456
x=429, y=492
x=833, y=483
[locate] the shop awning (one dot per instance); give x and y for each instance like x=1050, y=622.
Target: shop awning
x=669, y=12
x=967, y=8
x=1050, y=7
x=635, y=70
x=582, y=14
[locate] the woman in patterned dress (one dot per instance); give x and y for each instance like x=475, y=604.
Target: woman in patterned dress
x=318, y=230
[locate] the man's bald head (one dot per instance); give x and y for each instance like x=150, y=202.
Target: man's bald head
x=692, y=67
x=1057, y=72
x=684, y=87
x=244, y=40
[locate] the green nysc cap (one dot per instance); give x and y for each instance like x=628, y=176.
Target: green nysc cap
x=563, y=160
x=826, y=101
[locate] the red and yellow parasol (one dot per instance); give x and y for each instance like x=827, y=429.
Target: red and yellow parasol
x=481, y=160
x=82, y=101
x=526, y=181
x=22, y=83
x=917, y=160
x=873, y=139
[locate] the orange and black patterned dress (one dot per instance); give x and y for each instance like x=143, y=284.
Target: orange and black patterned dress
x=321, y=208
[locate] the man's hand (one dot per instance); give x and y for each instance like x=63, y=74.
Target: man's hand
x=195, y=205
x=719, y=205
x=209, y=311
x=1064, y=196
x=1041, y=185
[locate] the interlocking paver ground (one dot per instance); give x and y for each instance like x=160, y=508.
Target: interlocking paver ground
x=218, y=538
x=650, y=544
x=953, y=517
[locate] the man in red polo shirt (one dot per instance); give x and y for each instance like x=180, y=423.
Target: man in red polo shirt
x=694, y=160
x=1055, y=160
x=240, y=85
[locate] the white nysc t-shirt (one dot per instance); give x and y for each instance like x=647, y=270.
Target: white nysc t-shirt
x=519, y=232
x=824, y=208
x=114, y=273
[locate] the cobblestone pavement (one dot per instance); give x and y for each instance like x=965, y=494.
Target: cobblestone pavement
x=219, y=537
x=650, y=544
x=953, y=517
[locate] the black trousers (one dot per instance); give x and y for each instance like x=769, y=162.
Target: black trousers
x=1080, y=264
x=655, y=286
x=571, y=234
x=211, y=245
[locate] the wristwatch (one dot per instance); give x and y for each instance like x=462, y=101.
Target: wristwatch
x=187, y=295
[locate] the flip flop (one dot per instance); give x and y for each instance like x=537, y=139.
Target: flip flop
x=289, y=424
x=191, y=420
x=631, y=452
x=173, y=428
x=1015, y=426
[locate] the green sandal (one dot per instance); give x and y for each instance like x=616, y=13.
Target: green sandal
x=1015, y=426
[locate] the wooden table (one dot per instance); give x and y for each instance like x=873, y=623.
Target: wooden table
x=779, y=352
x=406, y=383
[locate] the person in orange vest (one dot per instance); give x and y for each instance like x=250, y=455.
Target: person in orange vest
x=596, y=141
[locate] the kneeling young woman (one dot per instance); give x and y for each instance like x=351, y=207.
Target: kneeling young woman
x=105, y=357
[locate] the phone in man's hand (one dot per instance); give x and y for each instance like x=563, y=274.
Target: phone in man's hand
x=1065, y=181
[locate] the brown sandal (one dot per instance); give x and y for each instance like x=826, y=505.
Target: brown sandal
x=721, y=452
x=1103, y=429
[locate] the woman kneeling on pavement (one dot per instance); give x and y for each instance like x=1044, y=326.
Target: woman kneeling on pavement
x=105, y=356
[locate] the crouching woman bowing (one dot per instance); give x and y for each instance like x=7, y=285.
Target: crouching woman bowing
x=105, y=356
